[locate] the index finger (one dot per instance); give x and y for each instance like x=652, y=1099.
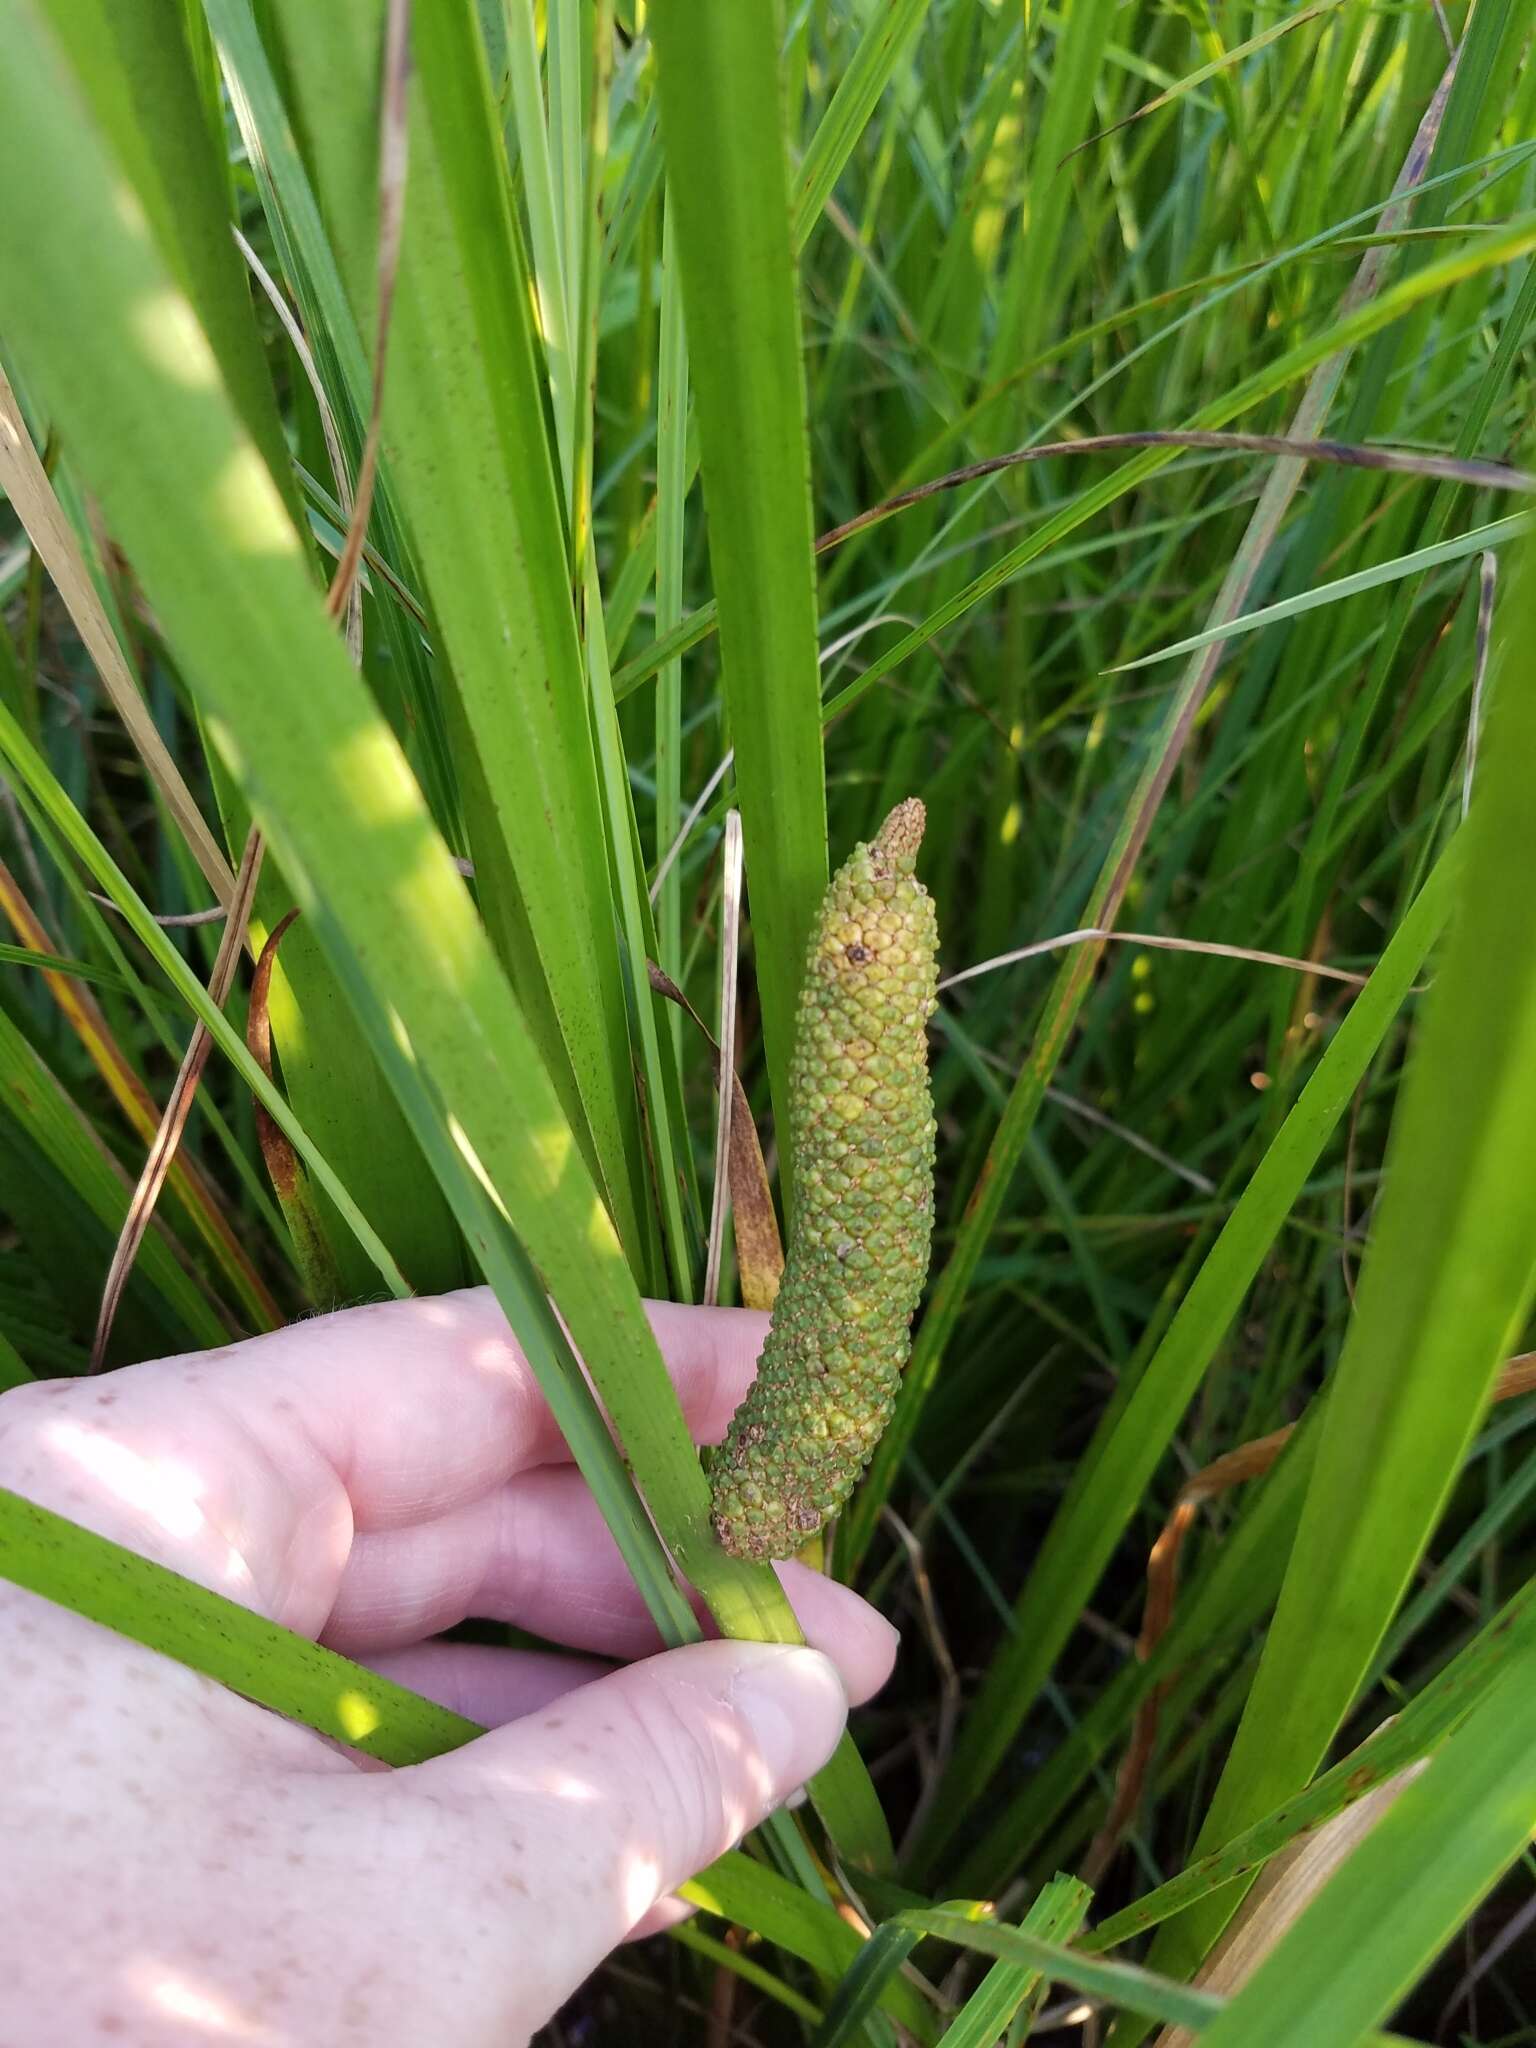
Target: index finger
x=372, y=1418
x=421, y=1405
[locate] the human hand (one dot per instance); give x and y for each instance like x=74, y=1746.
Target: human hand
x=192, y=1868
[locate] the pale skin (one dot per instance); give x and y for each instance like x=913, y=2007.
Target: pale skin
x=194, y=1870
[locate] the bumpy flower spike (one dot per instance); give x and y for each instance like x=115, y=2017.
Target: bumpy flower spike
x=861, y=1125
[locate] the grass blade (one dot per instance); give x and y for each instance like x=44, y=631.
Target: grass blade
x=1470, y=543
x=1326, y=358
x=1435, y=1854
x=1445, y=1286
x=780, y=1912
x=1055, y=1916
x=1136, y=1430
x=1419, y=1729
x=885, y=41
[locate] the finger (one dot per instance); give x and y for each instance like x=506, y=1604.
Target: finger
x=249, y=1469
x=539, y=1555
x=624, y=1790
x=420, y=1405
x=484, y=1682
x=494, y=1686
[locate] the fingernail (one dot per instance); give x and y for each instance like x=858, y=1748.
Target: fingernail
x=794, y=1705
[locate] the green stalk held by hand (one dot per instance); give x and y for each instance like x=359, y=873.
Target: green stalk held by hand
x=861, y=1123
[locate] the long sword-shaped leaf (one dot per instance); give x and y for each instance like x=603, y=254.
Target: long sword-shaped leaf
x=149, y=1604
x=132, y=63
x=722, y=124
x=464, y=430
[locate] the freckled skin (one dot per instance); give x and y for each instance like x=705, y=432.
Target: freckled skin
x=156, y=1868
x=861, y=1125
x=180, y=1867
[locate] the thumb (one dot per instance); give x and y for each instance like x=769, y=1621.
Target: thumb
x=621, y=1791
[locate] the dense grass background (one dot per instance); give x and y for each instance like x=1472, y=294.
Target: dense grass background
x=823, y=260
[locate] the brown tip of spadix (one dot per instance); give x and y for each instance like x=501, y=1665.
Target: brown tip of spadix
x=902, y=833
